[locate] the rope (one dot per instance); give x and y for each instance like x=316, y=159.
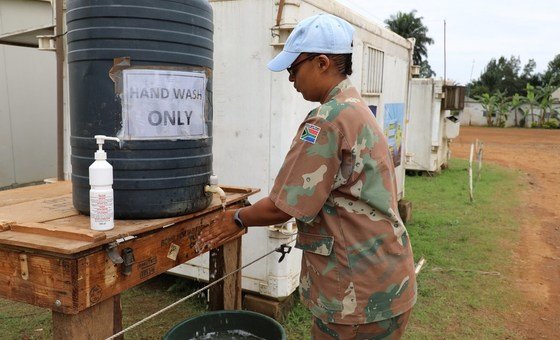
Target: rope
x=195, y=293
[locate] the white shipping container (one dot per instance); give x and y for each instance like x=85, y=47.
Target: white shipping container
x=430, y=128
x=257, y=113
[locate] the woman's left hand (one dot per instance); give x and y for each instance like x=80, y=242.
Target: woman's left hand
x=218, y=232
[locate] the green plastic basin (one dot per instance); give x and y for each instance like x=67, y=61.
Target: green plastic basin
x=234, y=324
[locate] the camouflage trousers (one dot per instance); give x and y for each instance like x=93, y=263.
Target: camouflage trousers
x=386, y=329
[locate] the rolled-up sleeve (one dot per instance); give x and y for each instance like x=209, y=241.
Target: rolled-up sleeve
x=306, y=178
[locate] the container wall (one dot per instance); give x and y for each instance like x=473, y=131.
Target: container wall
x=27, y=99
x=420, y=125
x=428, y=145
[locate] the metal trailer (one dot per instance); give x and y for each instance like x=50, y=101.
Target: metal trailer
x=431, y=125
x=257, y=112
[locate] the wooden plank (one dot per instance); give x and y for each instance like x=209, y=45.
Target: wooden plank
x=278, y=310
x=66, y=232
x=5, y=225
x=233, y=189
x=97, y=322
x=123, y=228
x=42, y=243
x=47, y=281
x=36, y=192
x=46, y=209
x=405, y=210
x=224, y=260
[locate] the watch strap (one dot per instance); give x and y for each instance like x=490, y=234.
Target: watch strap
x=238, y=220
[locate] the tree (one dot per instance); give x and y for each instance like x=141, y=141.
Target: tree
x=503, y=75
x=531, y=99
x=488, y=103
x=408, y=25
x=546, y=103
x=502, y=109
x=552, y=74
x=426, y=70
x=514, y=105
x=529, y=76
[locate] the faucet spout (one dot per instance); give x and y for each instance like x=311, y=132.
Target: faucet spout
x=215, y=189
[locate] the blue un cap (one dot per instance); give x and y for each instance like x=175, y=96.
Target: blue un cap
x=322, y=33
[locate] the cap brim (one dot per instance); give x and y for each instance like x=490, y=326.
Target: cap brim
x=282, y=61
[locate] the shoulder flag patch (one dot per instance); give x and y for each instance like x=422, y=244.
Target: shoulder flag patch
x=310, y=133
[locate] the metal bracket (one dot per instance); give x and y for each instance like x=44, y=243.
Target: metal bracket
x=23, y=266
x=128, y=256
x=283, y=249
x=47, y=42
x=113, y=253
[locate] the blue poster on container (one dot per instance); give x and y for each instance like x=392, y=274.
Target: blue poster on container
x=393, y=126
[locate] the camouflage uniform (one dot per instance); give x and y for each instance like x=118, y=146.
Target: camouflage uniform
x=385, y=329
x=338, y=182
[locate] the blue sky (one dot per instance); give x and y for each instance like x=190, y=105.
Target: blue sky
x=478, y=30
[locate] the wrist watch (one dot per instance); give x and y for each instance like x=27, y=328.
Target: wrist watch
x=238, y=220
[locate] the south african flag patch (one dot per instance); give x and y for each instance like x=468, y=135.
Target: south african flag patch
x=310, y=133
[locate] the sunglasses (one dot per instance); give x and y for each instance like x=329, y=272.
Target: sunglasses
x=292, y=69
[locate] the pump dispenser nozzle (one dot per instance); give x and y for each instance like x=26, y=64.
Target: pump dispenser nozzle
x=100, y=154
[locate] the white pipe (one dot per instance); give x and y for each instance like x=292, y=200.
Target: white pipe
x=214, y=188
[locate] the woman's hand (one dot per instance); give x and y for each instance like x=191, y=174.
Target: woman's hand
x=215, y=234
x=262, y=213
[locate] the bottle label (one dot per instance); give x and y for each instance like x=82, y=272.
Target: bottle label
x=101, y=209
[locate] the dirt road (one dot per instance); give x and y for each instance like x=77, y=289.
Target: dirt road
x=537, y=256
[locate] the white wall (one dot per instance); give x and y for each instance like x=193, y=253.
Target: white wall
x=473, y=114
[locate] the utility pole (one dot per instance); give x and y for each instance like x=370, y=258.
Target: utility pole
x=444, y=52
x=470, y=81
x=59, y=36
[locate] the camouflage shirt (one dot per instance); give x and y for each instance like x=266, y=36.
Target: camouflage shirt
x=338, y=181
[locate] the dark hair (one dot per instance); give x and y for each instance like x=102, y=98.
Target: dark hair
x=342, y=62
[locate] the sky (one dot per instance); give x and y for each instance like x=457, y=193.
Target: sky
x=477, y=31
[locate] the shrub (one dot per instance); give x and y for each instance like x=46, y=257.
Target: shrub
x=551, y=124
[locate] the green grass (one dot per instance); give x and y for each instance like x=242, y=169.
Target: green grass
x=464, y=289
x=22, y=321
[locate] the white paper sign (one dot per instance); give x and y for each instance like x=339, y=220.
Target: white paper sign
x=163, y=104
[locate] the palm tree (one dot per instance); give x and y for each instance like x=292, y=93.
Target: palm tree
x=524, y=114
x=488, y=103
x=531, y=99
x=502, y=108
x=546, y=102
x=407, y=25
x=514, y=105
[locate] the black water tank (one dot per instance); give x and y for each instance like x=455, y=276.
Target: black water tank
x=155, y=177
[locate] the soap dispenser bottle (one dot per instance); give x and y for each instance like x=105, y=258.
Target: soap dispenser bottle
x=101, y=202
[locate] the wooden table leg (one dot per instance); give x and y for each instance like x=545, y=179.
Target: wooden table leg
x=223, y=260
x=97, y=322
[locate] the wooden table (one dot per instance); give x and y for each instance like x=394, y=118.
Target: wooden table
x=51, y=258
